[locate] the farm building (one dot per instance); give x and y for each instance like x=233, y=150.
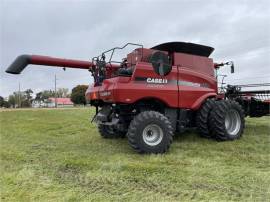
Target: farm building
x=50, y=102
x=61, y=102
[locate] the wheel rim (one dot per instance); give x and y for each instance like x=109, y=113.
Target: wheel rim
x=232, y=122
x=152, y=135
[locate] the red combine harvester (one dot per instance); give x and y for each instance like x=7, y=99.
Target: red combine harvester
x=155, y=92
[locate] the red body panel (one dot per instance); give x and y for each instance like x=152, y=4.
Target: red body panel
x=199, y=64
x=130, y=90
x=185, y=88
x=191, y=94
x=136, y=90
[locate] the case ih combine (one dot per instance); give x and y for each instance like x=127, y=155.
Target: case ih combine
x=155, y=92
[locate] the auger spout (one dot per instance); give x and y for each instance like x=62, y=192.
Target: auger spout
x=23, y=60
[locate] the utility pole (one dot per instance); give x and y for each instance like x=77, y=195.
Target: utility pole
x=19, y=96
x=55, y=95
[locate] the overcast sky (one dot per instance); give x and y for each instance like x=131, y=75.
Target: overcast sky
x=238, y=30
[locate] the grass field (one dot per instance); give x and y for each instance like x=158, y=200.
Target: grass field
x=57, y=155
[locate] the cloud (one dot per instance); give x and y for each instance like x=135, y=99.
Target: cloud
x=239, y=31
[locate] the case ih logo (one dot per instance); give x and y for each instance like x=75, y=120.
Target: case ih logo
x=156, y=80
x=171, y=81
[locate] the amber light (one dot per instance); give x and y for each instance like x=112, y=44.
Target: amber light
x=94, y=96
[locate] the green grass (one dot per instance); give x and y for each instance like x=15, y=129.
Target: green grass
x=57, y=155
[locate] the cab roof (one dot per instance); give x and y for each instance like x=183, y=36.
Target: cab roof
x=184, y=47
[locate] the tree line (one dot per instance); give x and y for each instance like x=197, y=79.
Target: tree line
x=25, y=98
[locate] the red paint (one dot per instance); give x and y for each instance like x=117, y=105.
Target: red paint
x=62, y=101
x=190, y=82
x=128, y=90
x=52, y=61
x=60, y=62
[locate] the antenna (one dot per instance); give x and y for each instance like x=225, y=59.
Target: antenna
x=19, y=96
x=55, y=94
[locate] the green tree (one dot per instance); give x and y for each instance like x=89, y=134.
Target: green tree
x=38, y=96
x=4, y=103
x=13, y=100
x=28, y=94
x=62, y=92
x=47, y=93
x=27, y=98
x=44, y=95
x=1, y=101
x=21, y=99
x=78, y=94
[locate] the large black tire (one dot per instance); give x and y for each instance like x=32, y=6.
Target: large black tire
x=110, y=132
x=150, y=132
x=227, y=120
x=202, y=118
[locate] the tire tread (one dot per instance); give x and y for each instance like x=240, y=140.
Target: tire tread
x=138, y=120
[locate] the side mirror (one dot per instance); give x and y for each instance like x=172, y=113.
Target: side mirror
x=232, y=68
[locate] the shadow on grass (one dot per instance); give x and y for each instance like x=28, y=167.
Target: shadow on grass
x=190, y=136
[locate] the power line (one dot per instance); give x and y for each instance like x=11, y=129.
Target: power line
x=19, y=96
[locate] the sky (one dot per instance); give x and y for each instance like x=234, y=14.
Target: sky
x=81, y=29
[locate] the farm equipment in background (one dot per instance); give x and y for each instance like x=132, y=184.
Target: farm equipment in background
x=155, y=92
x=254, y=102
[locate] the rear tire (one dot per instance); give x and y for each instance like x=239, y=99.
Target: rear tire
x=202, y=118
x=227, y=120
x=150, y=132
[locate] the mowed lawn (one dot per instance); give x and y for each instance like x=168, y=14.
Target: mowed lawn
x=58, y=155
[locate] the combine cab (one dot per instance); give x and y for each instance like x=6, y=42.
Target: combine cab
x=155, y=92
